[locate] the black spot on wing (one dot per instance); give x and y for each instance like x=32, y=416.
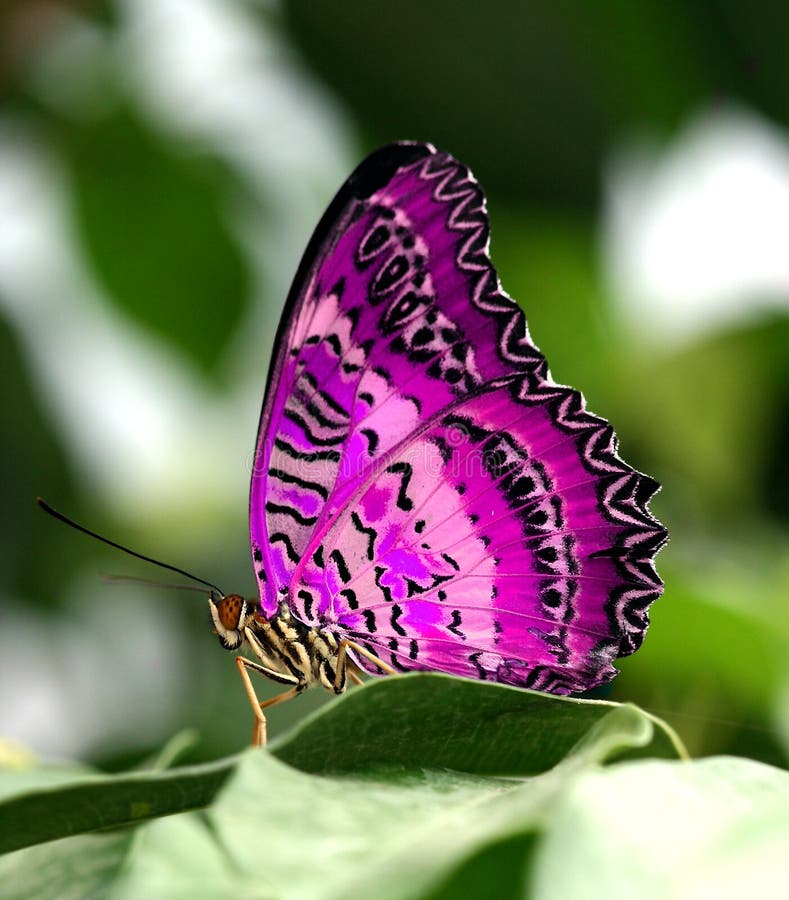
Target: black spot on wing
x=350, y=596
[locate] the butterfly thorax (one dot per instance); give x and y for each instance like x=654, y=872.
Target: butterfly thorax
x=288, y=651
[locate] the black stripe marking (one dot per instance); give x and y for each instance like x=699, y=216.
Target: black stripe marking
x=262, y=576
x=393, y=646
x=350, y=596
x=419, y=527
x=342, y=568
x=374, y=650
x=396, y=613
x=387, y=592
x=372, y=440
x=323, y=420
x=452, y=562
x=371, y=533
x=416, y=401
x=369, y=620
x=284, y=539
x=443, y=448
x=287, y=478
x=406, y=471
x=308, y=599
x=321, y=442
x=284, y=649
x=334, y=342
x=474, y=658
x=569, y=546
x=328, y=671
x=367, y=398
x=454, y=626
x=304, y=456
x=257, y=554
x=413, y=587
x=309, y=378
x=339, y=288
x=413, y=649
x=333, y=404
x=279, y=509
x=317, y=557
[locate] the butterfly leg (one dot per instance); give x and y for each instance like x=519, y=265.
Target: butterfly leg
x=342, y=661
x=243, y=665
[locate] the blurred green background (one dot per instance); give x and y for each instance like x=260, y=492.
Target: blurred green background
x=162, y=165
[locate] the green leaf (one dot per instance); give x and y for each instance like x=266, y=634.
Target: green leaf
x=90, y=802
x=401, y=724
x=437, y=721
x=389, y=793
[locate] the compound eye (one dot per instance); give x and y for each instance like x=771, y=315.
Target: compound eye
x=230, y=610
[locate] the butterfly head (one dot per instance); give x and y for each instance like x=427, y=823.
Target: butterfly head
x=230, y=614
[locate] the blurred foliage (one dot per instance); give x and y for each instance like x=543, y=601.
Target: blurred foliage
x=536, y=98
x=533, y=95
x=153, y=226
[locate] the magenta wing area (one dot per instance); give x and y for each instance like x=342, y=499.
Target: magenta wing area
x=421, y=486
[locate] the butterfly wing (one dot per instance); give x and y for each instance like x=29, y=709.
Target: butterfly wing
x=422, y=486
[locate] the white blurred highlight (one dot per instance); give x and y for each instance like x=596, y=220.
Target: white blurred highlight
x=697, y=237
x=140, y=424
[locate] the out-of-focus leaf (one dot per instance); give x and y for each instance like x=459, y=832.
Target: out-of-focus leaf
x=88, y=803
x=151, y=220
x=712, y=828
x=715, y=419
x=30, y=450
x=549, y=266
x=533, y=95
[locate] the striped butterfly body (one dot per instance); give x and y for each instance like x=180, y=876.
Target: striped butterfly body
x=288, y=652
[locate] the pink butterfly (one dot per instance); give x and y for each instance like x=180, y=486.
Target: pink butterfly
x=424, y=496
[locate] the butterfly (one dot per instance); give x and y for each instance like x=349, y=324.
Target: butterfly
x=424, y=496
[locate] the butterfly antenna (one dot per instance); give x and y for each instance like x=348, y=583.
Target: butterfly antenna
x=65, y=519
x=148, y=582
